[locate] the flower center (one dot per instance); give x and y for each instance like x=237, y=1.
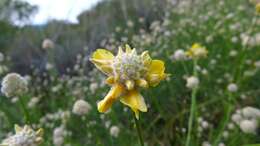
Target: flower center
x=129, y=66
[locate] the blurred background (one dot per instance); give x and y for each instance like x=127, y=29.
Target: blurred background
x=49, y=43
x=74, y=26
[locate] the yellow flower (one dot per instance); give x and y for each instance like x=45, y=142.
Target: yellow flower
x=257, y=8
x=127, y=72
x=197, y=51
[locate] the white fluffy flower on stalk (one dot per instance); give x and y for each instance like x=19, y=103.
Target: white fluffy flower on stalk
x=232, y=87
x=179, y=55
x=24, y=136
x=251, y=112
x=58, y=136
x=114, y=131
x=81, y=107
x=248, y=126
x=47, y=44
x=192, y=82
x=14, y=84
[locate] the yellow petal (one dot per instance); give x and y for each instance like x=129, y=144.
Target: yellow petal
x=116, y=91
x=17, y=128
x=135, y=101
x=156, y=72
x=102, y=60
x=110, y=80
x=142, y=83
x=128, y=49
x=40, y=132
x=146, y=58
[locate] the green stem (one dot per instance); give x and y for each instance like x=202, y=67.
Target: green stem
x=193, y=106
x=192, y=112
x=139, y=131
x=25, y=111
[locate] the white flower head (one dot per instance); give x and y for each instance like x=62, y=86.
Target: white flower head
x=81, y=107
x=114, y=131
x=14, y=84
x=232, y=87
x=179, y=55
x=251, y=112
x=47, y=44
x=192, y=82
x=248, y=126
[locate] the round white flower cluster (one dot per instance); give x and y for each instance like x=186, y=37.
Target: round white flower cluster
x=232, y=87
x=58, y=136
x=81, y=107
x=247, y=119
x=47, y=44
x=114, y=131
x=14, y=84
x=192, y=82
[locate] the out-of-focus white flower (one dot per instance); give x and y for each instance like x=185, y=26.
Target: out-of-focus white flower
x=2, y=57
x=206, y=143
x=257, y=64
x=232, y=87
x=33, y=102
x=24, y=136
x=114, y=131
x=93, y=87
x=248, y=126
x=81, y=107
x=49, y=66
x=251, y=112
x=179, y=55
x=14, y=84
x=225, y=134
x=47, y=44
x=58, y=136
x=236, y=118
x=192, y=82
x=221, y=144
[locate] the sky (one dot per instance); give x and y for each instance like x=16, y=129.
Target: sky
x=60, y=9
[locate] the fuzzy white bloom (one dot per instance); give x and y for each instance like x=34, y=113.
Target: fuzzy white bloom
x=93, y=87
x=179, y=55
x=24, y=136
x=47, y=44
x=81, y=107
x=248, y=126
x=206, y=143
x=114, y=131
x=14, y=84
x=221, y=144
x=58, y=136
x=236, y=118
x=251, y=112
x=225, y=134
x=192, y=82
x=257, y=64
x=232, y=87
x=2, y=57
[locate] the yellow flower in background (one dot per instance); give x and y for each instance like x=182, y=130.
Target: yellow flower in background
x=257, y=7
x=127, y=72
x=197, y=51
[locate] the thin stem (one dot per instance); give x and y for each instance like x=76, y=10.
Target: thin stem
x=139, y=131
x=193, y=106
x=192, y=111
x=25, y=111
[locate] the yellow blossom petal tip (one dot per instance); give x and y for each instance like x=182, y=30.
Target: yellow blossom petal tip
x=116, y=91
